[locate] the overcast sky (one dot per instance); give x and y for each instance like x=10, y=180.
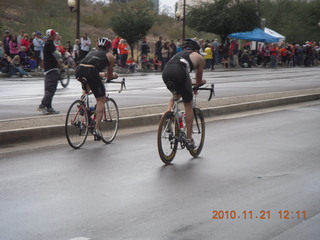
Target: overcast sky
x=169, y=3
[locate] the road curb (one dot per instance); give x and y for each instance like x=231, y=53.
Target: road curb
x=50, y=131
x=123, y=72
x=254, y=105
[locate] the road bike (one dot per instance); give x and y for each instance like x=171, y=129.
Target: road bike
x=80, y=119
x=172, y=128
x=64, y=76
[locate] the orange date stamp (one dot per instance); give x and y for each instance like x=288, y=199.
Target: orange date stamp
x=261, y=214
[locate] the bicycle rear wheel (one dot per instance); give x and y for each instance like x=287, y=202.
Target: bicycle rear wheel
x=110, y=121
x=64, y=77
x=77, y=124
x=198, y=131
x=168, y=132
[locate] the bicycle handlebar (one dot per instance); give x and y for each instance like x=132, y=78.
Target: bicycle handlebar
x=122, y=82
x=211, y=89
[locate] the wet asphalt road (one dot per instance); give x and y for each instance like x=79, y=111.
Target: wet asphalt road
x=253, y=166
x=21, y=97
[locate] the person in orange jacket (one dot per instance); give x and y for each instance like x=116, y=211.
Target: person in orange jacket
x=123, y=51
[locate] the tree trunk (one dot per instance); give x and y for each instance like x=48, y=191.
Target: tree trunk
x=132, y=48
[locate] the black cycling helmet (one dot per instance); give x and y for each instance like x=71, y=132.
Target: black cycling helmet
x=190, y=44
x=104, y=43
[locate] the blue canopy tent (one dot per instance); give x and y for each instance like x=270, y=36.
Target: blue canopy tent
x=256, y=35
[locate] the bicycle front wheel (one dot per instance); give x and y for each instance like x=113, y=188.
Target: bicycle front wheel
x=110, y=121
x=198, y=131
x=168, y=132
x=77, y=124
x=64, y=77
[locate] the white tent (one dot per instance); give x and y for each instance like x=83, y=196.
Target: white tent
x=275, y=34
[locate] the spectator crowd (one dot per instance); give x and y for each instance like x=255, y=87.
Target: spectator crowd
x=20, y=53
x=270, y=54
x=23, y=53
x=235, y=54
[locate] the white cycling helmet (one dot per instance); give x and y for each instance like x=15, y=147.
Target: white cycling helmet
x=104, y=43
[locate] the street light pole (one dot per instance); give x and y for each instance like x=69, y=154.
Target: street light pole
x=182, y=18
x=184, y=21
x=73, y=8
x=78, y=19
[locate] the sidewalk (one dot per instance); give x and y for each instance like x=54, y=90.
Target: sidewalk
x=42, y=127
x=218, y=68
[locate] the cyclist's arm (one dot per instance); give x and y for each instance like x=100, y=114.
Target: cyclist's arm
x=198, y=63
x=110, y=74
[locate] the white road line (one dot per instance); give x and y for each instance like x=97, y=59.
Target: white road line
x=80, y=238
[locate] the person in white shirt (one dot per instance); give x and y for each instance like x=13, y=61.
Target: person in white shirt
x=85, y=46
x=38, y=44
x=76, y=52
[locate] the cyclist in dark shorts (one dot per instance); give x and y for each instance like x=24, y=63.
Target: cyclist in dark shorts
x=177, y=79
x=92, y=68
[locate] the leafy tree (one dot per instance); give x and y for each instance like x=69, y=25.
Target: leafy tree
x=224, y=17
x=312, y=20
x=298, y=21
x=133, y=20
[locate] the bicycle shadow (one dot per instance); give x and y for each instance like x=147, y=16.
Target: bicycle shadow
x=180, y=168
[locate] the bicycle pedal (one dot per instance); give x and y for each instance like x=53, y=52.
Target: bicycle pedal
x=97, y=138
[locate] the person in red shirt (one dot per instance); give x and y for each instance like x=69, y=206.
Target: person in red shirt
x=25, y=41
x=131, y=65
x=284, y=55
x=156, y=63
x=61, y=50
x=274, y=55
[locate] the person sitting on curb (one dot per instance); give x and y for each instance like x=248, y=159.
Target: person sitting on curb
x=7, y=67
x=146, y=63
x=25, y=60
x=156, y=63
x=131, y=65
x=15, y=61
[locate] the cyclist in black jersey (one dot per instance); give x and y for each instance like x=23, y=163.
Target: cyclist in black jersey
x=92, y=68
x=177, y=79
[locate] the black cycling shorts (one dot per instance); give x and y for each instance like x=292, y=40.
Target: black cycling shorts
x=177, y=79
x=93, y=80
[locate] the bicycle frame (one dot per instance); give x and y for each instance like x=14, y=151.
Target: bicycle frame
x=181, y=138
x=87, y=102
x=105, y=81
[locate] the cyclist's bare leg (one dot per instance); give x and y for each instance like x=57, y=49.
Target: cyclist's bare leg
x=171, y=101
x=99, y=110
x=170, y=104
x=84, y=91
x=189, y=118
